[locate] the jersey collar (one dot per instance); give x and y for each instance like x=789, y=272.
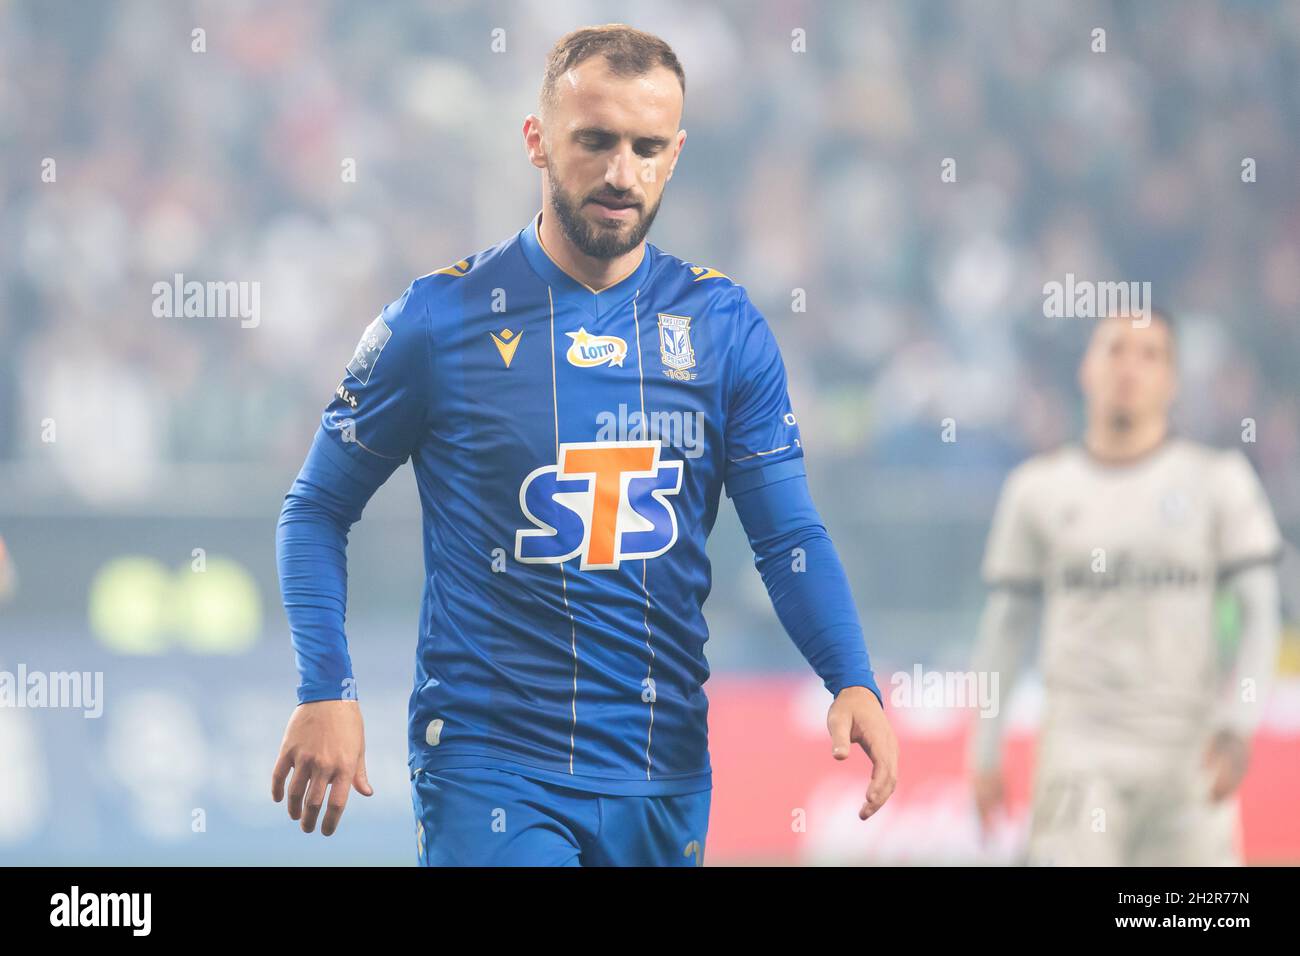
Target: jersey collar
x=1129, y=464
x=568, y=289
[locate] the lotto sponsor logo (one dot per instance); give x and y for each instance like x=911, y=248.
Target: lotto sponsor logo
x=588, y=351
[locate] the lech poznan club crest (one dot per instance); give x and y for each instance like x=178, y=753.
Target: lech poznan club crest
x=675, y=348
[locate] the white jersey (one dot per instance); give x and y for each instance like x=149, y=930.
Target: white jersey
x=1127, y=558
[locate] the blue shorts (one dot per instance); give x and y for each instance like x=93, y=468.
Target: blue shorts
x=476, y=816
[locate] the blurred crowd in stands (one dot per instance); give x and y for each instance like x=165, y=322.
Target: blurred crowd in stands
x=218, y=141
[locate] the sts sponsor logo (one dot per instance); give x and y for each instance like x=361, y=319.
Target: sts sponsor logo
x=604, y=501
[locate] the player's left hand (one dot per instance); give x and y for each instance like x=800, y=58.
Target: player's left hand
x=856, y=717
x=1226, y=759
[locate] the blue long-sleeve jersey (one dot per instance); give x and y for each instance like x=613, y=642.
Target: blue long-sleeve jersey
x=570, y=448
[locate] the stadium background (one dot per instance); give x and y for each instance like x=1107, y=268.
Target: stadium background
x=817, y=171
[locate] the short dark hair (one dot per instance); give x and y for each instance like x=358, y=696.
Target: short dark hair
x=1160, y=315
x=1167, y=319
x=1157, y=314
x=629, y=52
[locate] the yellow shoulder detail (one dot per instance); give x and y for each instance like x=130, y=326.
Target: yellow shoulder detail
x=457, y=269
x=704, y=272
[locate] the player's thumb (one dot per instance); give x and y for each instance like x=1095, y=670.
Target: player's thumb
x=1210, y=757
x=361, y=781
x=840, y=723
x=985, y=806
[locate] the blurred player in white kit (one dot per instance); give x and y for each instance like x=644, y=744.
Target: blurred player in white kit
x=1120, y=544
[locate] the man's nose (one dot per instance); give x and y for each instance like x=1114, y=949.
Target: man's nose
x=622, y=171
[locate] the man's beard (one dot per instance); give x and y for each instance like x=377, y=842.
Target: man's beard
x=1121, y=422
x=592, y=240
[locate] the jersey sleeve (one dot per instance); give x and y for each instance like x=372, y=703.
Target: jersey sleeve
x=762, y=434
x=1246, y=532
x=379, y=410
x=1014, y=555
x=372, y=424
x=812, y=600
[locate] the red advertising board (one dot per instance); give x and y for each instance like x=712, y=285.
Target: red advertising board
x=780, y=798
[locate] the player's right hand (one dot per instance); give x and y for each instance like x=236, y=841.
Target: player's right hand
x=1227, y=758
x=325, y=747
x=989, y=795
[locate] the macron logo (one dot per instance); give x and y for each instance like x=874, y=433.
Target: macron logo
x=102, y=909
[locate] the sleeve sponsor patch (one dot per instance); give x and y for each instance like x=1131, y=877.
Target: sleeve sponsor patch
x=346, y=394
x=372, y=342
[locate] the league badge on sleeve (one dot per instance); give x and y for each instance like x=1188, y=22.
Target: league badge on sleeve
x=373, y=340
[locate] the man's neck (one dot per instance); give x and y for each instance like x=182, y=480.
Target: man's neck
x=1120, y=446
x=596, y=274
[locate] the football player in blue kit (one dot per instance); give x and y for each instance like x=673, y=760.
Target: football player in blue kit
x=573, y=402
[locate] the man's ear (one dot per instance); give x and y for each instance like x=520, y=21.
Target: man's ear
x=681, y=142
x=535, y=140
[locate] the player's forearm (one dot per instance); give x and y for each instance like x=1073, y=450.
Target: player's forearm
x=1245, y=692
x=311, y=556
x=810, y=592
x=1007, y=629
x=806, y=582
